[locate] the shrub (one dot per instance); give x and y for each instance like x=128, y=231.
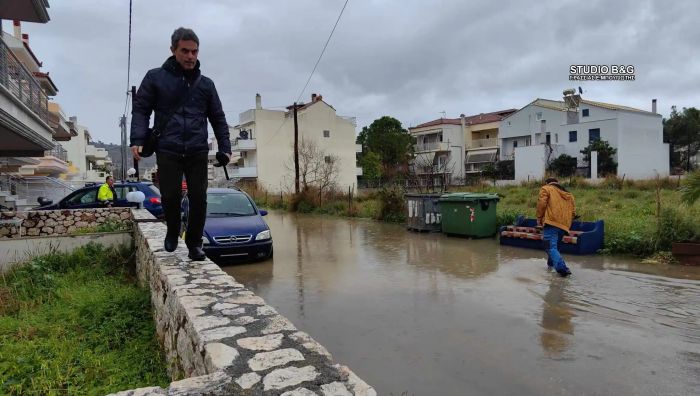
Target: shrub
x=564, y=165
x=606, y=153
x=392, y=205
x=674, y=226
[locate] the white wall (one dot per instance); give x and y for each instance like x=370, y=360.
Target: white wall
x=275, y=138
x=524, y=123
x=529, y=163
x=18, y=250
x=608, y=131
x=641, y=153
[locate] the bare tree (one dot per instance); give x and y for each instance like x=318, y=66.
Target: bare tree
x=316, y=167
x=427, y=172
x=327, y=174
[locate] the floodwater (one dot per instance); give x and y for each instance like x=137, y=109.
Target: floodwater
x=425, y=314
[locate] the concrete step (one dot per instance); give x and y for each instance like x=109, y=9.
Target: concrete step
x=8, y=198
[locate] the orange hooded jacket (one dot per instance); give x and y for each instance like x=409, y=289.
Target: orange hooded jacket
x=556, y=207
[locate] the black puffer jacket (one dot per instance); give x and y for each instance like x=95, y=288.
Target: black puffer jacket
x=186, y=131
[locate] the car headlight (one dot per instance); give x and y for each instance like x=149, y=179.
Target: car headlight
x=263, y=235
x=205, y=240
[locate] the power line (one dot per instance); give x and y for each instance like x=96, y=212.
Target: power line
x=322, y=52
x=314, y=69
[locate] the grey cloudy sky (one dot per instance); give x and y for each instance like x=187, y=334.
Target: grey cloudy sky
x=404, y=58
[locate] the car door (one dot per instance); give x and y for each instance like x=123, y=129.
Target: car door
x=120, y=199
x=82, y=199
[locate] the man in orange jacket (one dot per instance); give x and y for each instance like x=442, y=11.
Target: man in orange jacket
x=556, y=209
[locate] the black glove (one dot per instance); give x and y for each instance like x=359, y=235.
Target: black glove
x=222, y=158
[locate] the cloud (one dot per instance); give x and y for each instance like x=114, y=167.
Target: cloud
x=408, y=59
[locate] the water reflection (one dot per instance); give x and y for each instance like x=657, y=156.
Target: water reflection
x=556, y=323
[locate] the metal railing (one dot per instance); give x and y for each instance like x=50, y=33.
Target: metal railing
x=21, y=83
x=58, y=151
x=478, y=143
x=430, y=146
x=33, y=187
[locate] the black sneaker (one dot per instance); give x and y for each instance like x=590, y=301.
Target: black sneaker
x=564, y=273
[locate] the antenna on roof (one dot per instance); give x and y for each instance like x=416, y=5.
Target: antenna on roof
x=444, y=114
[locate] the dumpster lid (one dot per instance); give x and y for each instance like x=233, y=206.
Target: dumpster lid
x=457, y=197
x=426, y=195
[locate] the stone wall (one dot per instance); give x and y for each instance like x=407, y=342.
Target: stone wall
x=223, y=338
x=58, y=222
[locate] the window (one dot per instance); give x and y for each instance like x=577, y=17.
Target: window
x=593, y=134
x=123, y=190
x=327, y=159
x=326, y=133
x=548, y=139
x=83, y=197
x=515, y=144
x=584, y=113
x=572, y=136
x=539, y=115
x=556, y=138
x=487, y=136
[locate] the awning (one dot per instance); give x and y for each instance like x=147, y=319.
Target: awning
x=481, y=156
x=424, y=159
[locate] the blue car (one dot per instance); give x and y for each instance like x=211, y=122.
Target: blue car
x=234, y=228
x=86, y=197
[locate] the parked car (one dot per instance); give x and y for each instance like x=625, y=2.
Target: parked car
x=86, y=197
x=234, y=228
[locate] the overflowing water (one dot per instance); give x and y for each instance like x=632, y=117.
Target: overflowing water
x=425, y=314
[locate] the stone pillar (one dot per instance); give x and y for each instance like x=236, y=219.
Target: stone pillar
x=594, y=165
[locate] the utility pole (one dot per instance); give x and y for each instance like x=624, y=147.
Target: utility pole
x=136, y=162
x=122, y=124
x=296, y=151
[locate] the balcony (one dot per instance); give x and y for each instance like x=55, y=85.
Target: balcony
x=241, y=172
x=358, y=171
x=90, y=152
x=431, y=170
x=24, y=123
x=481, y=143
x=432, y=146
x=244, y=145
x=95, y=176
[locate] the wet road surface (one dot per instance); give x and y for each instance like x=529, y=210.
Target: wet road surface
x=426, y=314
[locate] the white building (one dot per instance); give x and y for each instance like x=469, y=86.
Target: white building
x=264, y=140
x=87, y=162
x=452, y=148
x=636, y=134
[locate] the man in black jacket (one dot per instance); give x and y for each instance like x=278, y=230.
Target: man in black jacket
x=183, y=145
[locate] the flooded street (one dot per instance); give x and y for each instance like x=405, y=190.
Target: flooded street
x=431, y=315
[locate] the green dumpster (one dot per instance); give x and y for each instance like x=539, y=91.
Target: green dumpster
x=469, y=214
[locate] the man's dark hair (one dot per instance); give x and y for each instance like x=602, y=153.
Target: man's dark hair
x=184, y=34
x=551, y=180
x=107, y=178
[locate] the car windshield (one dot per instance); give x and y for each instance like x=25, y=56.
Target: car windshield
x=222, y=204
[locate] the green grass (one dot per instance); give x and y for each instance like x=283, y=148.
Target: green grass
x=631, y=224
x=77, y=324
x=107, y=226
